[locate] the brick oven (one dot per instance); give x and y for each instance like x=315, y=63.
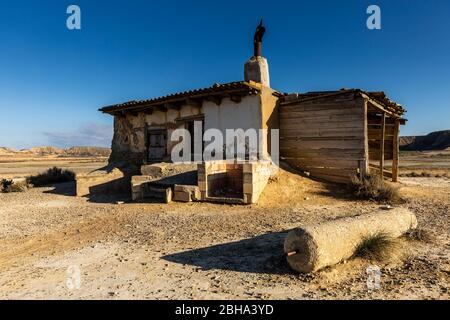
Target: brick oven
x=222, y=181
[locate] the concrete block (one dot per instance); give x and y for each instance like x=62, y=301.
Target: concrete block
x=169, y=195
x=201, y=177
x=202, y=186
x=247, y=177
x=151, y=170
x=201, y=168
x=247, y=167
x=248, y=198
x=182, y=196
x=193, y=191
x=136, y=196
x=248, y=188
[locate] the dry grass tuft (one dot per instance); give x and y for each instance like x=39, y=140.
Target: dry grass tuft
x=51, y=176
x=378, y=247
x=372, y=187
x=8, y=186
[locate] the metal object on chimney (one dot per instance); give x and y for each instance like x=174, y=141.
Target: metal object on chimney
x=257, y=42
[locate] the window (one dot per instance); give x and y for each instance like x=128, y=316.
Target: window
x=157, y=145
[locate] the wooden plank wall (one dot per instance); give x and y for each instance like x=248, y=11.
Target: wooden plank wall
x=324, y=136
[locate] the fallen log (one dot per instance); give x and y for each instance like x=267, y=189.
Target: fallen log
x=314, y=247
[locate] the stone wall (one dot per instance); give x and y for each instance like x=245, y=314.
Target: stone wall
x=129, y=145
x=129, y=141
x=103, y=182
x=256, y=176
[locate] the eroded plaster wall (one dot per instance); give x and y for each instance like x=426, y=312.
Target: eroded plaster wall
x=270, y=119
x=129, y=145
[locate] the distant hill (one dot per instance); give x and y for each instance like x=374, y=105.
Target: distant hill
x=4, y=151
x=53, y=151
x=439, y=140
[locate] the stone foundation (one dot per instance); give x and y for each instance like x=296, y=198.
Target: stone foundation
x=165, y=181
x=186, y=193
x=101, y=182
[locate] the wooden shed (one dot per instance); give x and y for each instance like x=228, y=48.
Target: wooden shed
x=334, y=135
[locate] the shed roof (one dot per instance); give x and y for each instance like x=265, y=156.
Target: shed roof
x=378, y=98
x=240, y=88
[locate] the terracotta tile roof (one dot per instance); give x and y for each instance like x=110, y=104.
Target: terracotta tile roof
x=241, y=87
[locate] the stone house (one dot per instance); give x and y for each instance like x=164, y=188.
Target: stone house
x=331, y=135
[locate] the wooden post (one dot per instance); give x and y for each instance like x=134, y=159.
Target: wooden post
x=395, y=151
x=364, y=164
x=383, y=135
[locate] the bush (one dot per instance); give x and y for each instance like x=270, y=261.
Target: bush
x=51, y=176
x=373, y=187
x=7, y=186
x=379, y=247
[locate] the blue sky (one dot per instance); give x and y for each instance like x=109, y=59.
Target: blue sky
x=53, y=80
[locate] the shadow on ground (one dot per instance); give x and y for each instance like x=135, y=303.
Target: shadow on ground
x=64, y=189
x=68, y=189
x=261, y=254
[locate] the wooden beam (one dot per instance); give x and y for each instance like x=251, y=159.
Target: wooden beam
x=161, y=108
x=194, y=102
x=217, y=100
x=383, y=129
x=395, y=151
x=119, y=114
x=175, y=106
x=386, y=109
x=364, y=165
x=235, y=98
x=386, y=173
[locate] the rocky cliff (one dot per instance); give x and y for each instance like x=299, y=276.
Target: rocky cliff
x=439, y=140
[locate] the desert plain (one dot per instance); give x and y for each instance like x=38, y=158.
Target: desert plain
x=126, y=250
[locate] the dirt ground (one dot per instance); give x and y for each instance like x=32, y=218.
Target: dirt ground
x=207, y=251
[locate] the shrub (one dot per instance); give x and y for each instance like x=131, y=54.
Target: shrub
x=373, y=187
x=379, y=247
x=51, y=176
x=7, y=186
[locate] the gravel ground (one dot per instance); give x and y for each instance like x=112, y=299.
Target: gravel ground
x=207, y=251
